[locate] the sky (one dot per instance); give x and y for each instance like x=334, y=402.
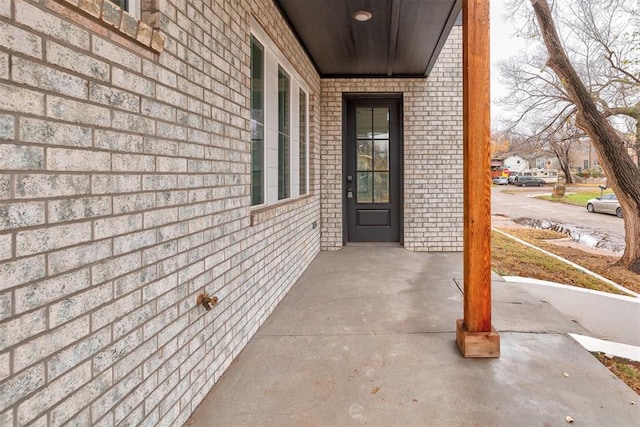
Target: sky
x=503, y=46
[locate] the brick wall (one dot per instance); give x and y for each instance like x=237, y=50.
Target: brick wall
x=433, y=198
x=124, y=193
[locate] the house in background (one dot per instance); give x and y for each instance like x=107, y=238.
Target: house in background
x=515, y=163
x=154, y=151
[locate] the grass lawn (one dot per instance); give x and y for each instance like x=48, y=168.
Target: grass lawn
x=579, y=199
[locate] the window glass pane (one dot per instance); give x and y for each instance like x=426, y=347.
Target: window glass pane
x=381, y=123
x=283, y=135
x=365, y=187
x=122, y=3
x=364, y=122
x=381, y=187
x=257, y=123
x=303, y=142
x=364, y=155
x=381, y=155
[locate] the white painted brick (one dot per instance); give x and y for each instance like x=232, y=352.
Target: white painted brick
x=117, y=54
x=71, y=405
x=44, y=240
x=5, y=366
x=35, y=186
x=116, y=226
x=158, y=110
x=17, y=157
x=6, y=246
x=78, y=112
x=115, y=267
x=41, y=293
x=159, y=182
x=72, y=209
x=130, y=410
x=77, y=305
x=133, y=320
x=160, y=217
x=132, y=82
x=66, y=159
x=49, y=79
x=113, y=184
x=16, y=388
x=53, y=133
x=50, y=24
x=55, y=392
x=77, y=61
x=115, y=310
x=21, y=214
x=159, y=252
x=133, y=163
x=112, y=354
x=21, y=100
x=45, y=345
x=114, y=97
x=133, y=203
x=171, y=164
x=133, y=123
x=115, y=394
x=134, y=281
x=21, y=327
x=134, y=359
x=4, y=66
x=118, y=141
x=80, y=351
x=20, y=40
x=7, y=127
x=132, y=242
x=5, y=9
x=78, y=256
x=160, y=146
x=15, y=273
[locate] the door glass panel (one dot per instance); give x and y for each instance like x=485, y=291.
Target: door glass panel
x=364, y=122
x=381, y=187
x=381, y=123
x=365, y=187
x=364, y=156
x=372, y=127
x=381, y=155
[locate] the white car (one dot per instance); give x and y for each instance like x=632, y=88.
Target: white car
x=607, y=203
x=500, y=180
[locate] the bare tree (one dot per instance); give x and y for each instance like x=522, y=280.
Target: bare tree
x=592, y=112
x=602, y=41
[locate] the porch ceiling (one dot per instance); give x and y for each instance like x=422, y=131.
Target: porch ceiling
x=402, y=39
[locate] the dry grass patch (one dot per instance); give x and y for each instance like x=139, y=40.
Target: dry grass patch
x=627, y=370
x=604, y=265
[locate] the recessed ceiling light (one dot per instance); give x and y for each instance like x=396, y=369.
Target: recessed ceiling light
x=362, y=15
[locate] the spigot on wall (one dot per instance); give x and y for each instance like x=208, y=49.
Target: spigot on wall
x=206, y=301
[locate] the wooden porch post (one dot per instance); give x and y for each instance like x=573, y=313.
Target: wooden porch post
x=474, y=333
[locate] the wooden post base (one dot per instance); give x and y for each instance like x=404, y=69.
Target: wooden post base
x=477, y=344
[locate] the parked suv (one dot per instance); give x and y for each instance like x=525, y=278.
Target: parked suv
x=512, y=177
x=528, y=181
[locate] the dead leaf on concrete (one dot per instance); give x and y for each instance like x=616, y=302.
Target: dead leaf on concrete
x=375, y=390
x=565, y=374
x=569, y=419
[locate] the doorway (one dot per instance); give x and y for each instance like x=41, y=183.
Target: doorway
x=373, y=169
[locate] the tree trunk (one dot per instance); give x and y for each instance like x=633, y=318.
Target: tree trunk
x=622, y=173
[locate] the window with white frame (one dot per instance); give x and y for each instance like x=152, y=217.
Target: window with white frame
x=303, y=123
x=131, y=6
x=279, y=125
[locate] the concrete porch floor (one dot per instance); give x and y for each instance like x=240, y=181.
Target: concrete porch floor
x=367, y=336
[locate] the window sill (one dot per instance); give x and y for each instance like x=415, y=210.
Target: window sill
x=113, y=16
x=264, y=213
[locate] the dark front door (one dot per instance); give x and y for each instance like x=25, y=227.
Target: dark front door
x=372, y=170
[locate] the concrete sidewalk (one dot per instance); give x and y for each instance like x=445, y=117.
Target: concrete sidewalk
x=367, y=336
